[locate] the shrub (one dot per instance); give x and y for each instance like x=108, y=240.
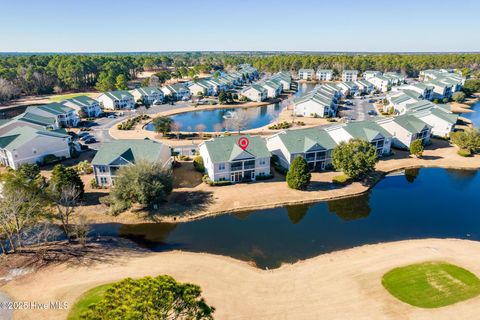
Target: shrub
x=206, y=179
x=93, y=183
x=264, y=177
x=146, y=183
x=184, y=158
x=416, y=148
x=458, y=96
x=298, y=176
x=50, y=158
x=132, y=122
x=280, y=125
x=198, y=164
x=341, y=179
x=355, y=158
x=464, y=153
x=161, y=297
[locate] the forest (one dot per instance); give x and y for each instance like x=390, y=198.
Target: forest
x=55, y=73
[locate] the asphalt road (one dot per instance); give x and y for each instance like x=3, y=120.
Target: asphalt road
x=100, y=130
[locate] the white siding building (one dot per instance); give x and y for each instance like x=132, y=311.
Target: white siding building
x=405, y=129
x=349, y=75
x=113, y=155
x=25, y=144
x=114, y=100
x=224, y=160
x=255, y=92
x=306, y=74
x=148, y=95
x=89, y=106
x=324, y=75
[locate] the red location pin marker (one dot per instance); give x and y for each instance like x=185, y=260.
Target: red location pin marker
x=243, y=143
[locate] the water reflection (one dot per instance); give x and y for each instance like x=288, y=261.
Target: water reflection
x=422, y=204
x=351, y=208
x=297, y=212
x=412, y=174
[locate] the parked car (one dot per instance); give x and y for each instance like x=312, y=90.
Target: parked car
x=90, y=140
x=111, y=116
x=86, y=137
x=372, y=112
x=372, y=101
x=83, y=134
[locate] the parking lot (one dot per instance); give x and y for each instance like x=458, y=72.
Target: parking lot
x=361, y=108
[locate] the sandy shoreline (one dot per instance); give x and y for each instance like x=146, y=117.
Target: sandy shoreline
x=340, y=285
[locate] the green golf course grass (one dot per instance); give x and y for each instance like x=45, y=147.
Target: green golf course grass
x=431, y=284
x=91, y=296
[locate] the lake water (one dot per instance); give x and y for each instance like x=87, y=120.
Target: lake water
x=258, y=117
x=422, y=203
x=474, y=116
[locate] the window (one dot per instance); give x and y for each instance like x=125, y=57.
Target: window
x=262, y=162
x=102, y=169
x=103, y=180
x=221, y=166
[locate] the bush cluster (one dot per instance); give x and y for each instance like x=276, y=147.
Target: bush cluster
x=206, y=179
x=132, y=122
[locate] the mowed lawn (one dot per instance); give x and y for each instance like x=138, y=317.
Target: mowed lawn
x=61, y=97
x=431, y=284
x=90, y=297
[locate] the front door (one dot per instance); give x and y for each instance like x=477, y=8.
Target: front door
x=236, y=177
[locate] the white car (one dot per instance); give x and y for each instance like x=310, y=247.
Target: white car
x=111, y=116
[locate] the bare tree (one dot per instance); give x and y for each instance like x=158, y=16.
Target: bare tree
x=240, y=120
x=176, y=127
x=81, y=230
x=8, y=90
x=200, y=128
x=19, y=210
x=66, y=200
x=217, y=127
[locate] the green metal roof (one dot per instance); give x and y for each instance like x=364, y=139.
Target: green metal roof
x=55, y=108
x=83, y=101
x=36, y=119
x=301, y=140
x=21, y=135
x=131, y=150
x=411, y=123
x=366, y=130
x=118, y=95
x=224, y=149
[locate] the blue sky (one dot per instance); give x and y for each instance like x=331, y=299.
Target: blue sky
x=199, y=25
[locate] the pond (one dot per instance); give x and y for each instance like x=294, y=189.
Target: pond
x=258, y=116
x=475, y=115
x=421, y=203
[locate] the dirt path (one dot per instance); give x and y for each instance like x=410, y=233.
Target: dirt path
x=340, y=285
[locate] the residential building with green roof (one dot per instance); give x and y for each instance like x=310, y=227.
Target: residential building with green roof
x=113, y=155
x=255, y=92
x=116, y=100
x=178, y=91
x=313, y=144
x=226, y=160
x=63, y=115
x=84, y=104
x=147, y=95
x=25, y=144
x=405, y=129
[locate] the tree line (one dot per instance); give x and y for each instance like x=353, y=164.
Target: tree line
x=45, y=74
